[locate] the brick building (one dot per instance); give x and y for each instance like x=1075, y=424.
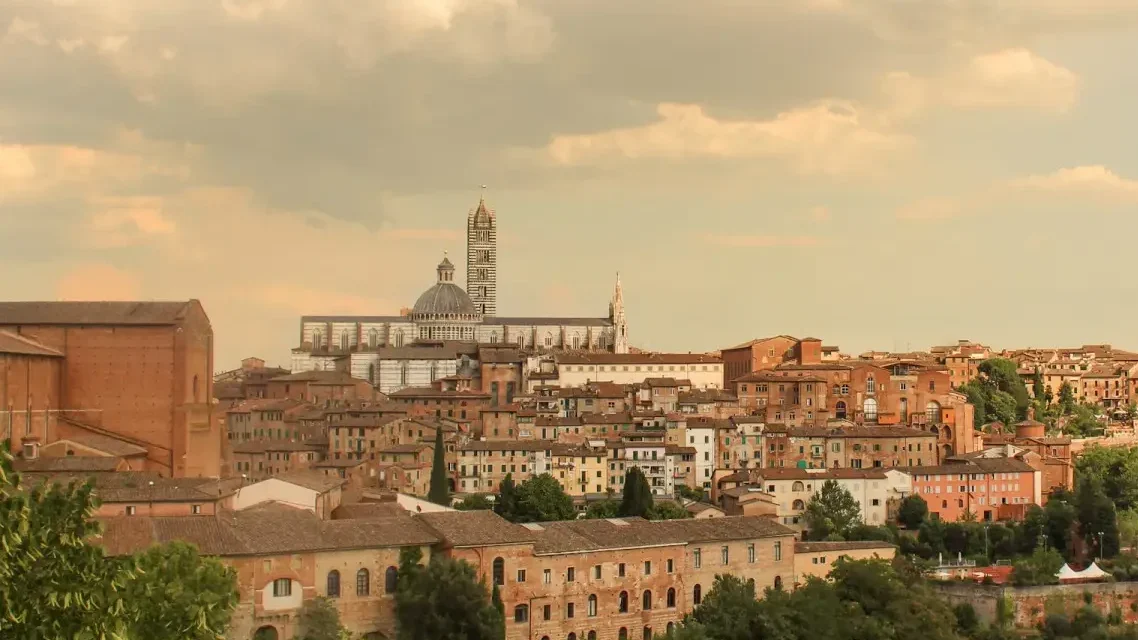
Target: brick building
x=140, y=372
x=320, y=387
x=988, y=488
x=762, y=354
x=855, y=447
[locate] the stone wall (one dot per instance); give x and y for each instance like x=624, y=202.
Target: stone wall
x=1028, y=606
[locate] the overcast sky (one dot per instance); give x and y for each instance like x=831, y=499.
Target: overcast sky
x=881, y=174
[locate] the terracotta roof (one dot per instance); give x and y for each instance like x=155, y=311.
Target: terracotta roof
x=840, y=473
x=407, y=448
x=313, y=480
x=68, y=464
x=106, y=444
x=638, y=358
x=700, y=507
x=774, y=376
x=751, y=343
x=369, y=511
x=262, y=530
x=135, y=486
x=344, y=463
x=22, y=345
x=815, y=547
x=319, y=377
x=114, y=313
x=491, y=355
x=431, y=392
x=667, y=382
x=475, y=528
x=974, y=465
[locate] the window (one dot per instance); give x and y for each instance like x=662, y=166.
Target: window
x=647, y=567
x=622, y=602
x=390, y=579
x=570, y=574
x=670, y=565
x=130, y=511
x=333, y=586
x=569, y=607
x=499, y=571
x=870, y=409
x=724, y=555
x=282, y=587
x=697, y=558
x=622, y=634
x=696, y=594
x=363, y=582
x=592, y=606
x=597, y=572
x=521, y=613
x=620, y=570
x=646, y=601
x=547, y=612
x=521, y=575
x=546, y=576
x=196, y=509
x=751, y=553
x=671, y=598
x=777, y=551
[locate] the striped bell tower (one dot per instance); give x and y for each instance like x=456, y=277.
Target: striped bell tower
x=482, y=258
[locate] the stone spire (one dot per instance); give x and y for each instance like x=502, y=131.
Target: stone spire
x=482, y=257
x=619, y=322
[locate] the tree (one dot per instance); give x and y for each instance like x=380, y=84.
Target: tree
x=476, y=502
x=602, y=509
x=319, y=620
x=440, y=492
x=833, y=510
x=667, y=510
x=637, y=500
x=728, y=608
x=1128, y=529
x=1098, y=522
x=1061, y=519
x=443, y=599
x=1066, y=398
x=506, y=502
x=913, y=511
x=967, y=622
x=178, y=592
x=1116, y=468
x=1038, y=391
x=541, y=499
x=1038, y=568
x=1003, y=374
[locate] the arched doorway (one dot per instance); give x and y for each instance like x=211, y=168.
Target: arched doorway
x=265, y=633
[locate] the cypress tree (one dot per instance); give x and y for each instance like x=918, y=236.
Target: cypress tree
x=637, y=500
x=506, y=502
x=440, y=494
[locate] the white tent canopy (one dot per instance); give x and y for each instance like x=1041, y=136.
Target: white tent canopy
x=1093, y=572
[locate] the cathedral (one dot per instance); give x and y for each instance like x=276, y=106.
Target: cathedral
x=424, y=338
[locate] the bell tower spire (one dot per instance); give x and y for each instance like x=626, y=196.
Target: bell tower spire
x=482, y=257
x=619, y=322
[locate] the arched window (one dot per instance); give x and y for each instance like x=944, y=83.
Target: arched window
x=798, y=505
x=571, y=636
x=622, y=603
x=592, y=606
x=870, y=409
x=646, y=601
x=403, y=373
x=333, y=590
x=372, y=338
x=778, y=582
x=317, y=340
x=671, y=598
x=932, y=412
x=344, y=340
x=840, y=410
x=266, y=633
x=647, y=633
x=521, y=613
x=399, y=338
x=195, y=389
x=798, y=486
x=622, y=634
x=592, y=635
x=870, y=384
x=696, y=595
x=499, y=572
x=548, y=340
x=390, y=579
x=363, y=582
x=576, y=342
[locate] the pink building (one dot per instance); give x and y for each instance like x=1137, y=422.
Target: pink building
x=990, y=488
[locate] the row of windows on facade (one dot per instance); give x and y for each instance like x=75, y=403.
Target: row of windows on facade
x=456, y=333
x=844, y=389
x=283, y=586
x=131, y=510
x=681, y=368
x=622, y=634
x=973, y=488
x=499, y=565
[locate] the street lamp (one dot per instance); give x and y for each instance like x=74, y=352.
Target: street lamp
x=1100, y=545
x=986, y=556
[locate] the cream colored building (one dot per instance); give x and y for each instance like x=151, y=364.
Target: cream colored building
x=579, y=369
x=872, y=488
x=817, y=558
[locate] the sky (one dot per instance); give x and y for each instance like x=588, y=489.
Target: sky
x=881, y=174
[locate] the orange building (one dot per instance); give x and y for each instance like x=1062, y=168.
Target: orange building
x=988, y=488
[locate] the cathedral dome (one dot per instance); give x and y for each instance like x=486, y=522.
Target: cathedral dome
x=444, y=300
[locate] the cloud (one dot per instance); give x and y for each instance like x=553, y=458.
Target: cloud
x=1090, y=180
x=98, y=282
x=929, y=209
x=126, y=221
x=828, y=137
x=1010, y=78
x=725, y=240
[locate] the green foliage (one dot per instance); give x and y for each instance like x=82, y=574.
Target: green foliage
x=506, y=502
x=440, y=492
x=1038, y=568
x=1061, y=520
x=1001, y=374
x=443, y=599
x=1038, y=390
x=54, y=583
x=1082, y=421
x=698, y=494
x=541, y=499
x=1128, y=528
x=1097, y=516
x=637, y=500
x=176, y=591
x=319, y=620
x=833, y=510
x=602, y=509
x=1116, y=468
x=728, y=608
x=998, y=394
x=667, y=510
x=967, y=622
x=913, y=511
x=476, y=502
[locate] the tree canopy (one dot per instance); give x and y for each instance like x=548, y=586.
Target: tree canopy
x=179, y=593
x=440, y=491
x=443, y=600
x=538, y=499
x=637, y=500
x=832, y=512
x=474, y=502
x=320, y=620
x=913, y=511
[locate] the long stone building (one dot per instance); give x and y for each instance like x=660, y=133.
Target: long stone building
x=438, y=336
